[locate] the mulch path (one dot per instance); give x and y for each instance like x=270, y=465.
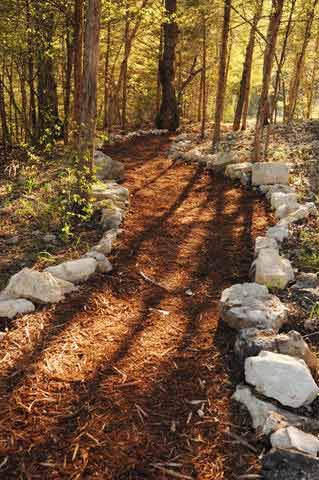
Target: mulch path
x=128, y=379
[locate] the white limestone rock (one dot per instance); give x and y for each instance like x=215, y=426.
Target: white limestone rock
x=249, y=305
x=11, y=308
x=267, y=417
x=265, y=242
x=278, y=233
x=302, y=213
x=74, y=271
x=111, y=218
x=107, y=168
x=103, y=264
x=273, y=270
x=237, y=171
x=250, y=342
x=279, y=198
x=41, y=287
x=281, y=377
x=292, y=437
x=268, y=190
x=269, y=173
x=106, y=243
x=110, y=191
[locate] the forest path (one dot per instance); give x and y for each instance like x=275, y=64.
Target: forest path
x=109, y=384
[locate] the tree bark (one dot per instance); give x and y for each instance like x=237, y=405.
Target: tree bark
x=295, y=81
x=246, y=75
x=203, y=78
x=78, y=59
x=88, y=104
x=220, y=96
x=168, y=116
x=107, y=76
x=263, y=106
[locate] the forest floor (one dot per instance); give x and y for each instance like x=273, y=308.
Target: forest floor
x=131, y=380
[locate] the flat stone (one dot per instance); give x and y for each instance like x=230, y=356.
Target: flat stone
x=292, y=437
x=49, y=238
x=281, y=464
x=107, y=168
x=11, y=308
x=74, y=271
x=267, y=417
x=278, y=233
x=236, y=171
x=269, y=173
x=290, y=343
x=268, y=190
x=41, y=287
x=273, y=270
x=110, y=191
x=265, y=242
x=103, y=264
x=281, y=377
x=250, y=305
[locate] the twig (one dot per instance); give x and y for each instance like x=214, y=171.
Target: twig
x=242, y=441
x=172, y=473
x=150, y=280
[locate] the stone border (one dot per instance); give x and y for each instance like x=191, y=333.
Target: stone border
x=278, y=367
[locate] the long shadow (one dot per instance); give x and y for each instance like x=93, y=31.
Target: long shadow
x=91, y=392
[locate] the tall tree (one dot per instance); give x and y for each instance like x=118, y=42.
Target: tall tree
x=220, y=96
x=263, y=105
x=246, y=75
x=168, y=116
x=86, y=138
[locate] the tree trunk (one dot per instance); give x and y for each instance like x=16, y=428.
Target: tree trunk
x=203, y=78
x=246, y=75
x=263, y=106
x=127, y=49
x=168, y=116
x=220, y=96
x=282, y=58
x=3, y=114
x=78, y=60
x=88, y=104
x=107, y=76
x=295, y=82
x=313, y=78
x=67, y=86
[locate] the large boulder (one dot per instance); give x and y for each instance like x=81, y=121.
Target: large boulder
x=251, y=342
x=281, y=377
x=268, y=190
x=271, y=173
x=284, y=204
x=272, y=270
x=74, y=271
x=11, y=308
x=41, y=287
x=107, y=168
x=267, y=417
x=293, y=438
x=250, y=305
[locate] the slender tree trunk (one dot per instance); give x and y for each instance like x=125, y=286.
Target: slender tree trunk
x=78, y=60
x=282, y=58
x=168, y=116
x=127, y=49
x=107, y=76
x=32, y=100
x=68, y=81
x=313, y=78
x=221, y=86
x=246, y=75
x=295, y=82
x=203, y=77
x=158, y=85
x=90, y=70
x=263, y=106
x=6, y=139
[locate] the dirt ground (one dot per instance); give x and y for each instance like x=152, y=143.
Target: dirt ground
x=128, y=379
